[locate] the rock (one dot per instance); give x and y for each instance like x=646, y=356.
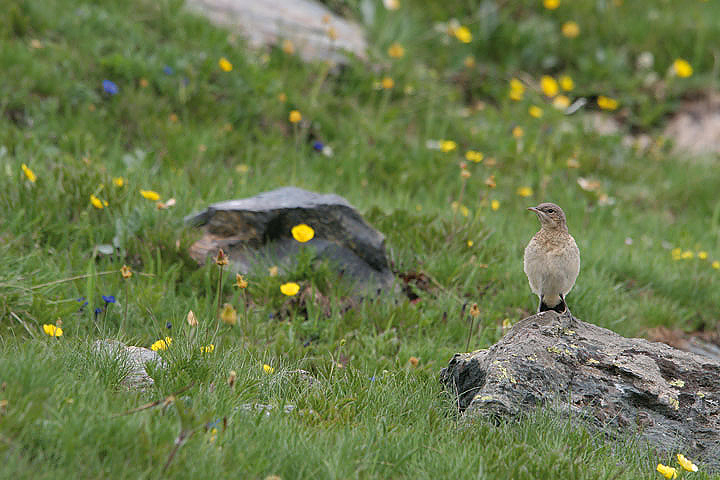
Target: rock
x=135, y=357
x=255, y=232
x=695, y=128
x=670, y=397
x=315, y=32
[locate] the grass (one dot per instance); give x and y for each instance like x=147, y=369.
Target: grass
x=197, y=134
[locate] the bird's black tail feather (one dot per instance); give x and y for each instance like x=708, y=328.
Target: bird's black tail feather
x=561, y=307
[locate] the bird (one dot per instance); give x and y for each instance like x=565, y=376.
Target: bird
x=552, y=259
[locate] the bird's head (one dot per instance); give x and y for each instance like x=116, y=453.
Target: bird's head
x=550, y=215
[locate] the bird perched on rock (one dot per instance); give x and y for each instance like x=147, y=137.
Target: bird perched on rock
x=552, y=259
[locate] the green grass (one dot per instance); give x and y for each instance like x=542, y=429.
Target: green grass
x=201, y=135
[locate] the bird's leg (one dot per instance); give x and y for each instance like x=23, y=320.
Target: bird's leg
x=540, y=304
x=567, y=309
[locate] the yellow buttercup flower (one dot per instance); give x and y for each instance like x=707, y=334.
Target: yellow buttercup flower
x=566, y=83
x=448, y=146
x=228, y=315
x=463, y=34
x=290, y=288
x=607, y=103
x=551, y=4
x=118, y=181
x=295, y=116
x=667, y=472
x=150, y=195
x=207, y=348
x=162, y=344
x=716, y=264
x=518, y=132
x=686, y=464
x=561, y=102
x=703, y=255
x=535, y=111
x=474, y=156
x=687, y=255
x=268, y=369
x=302, y=233
x=96, y=202
x=524, y=191
x=396, y=50
x=549, y=86
x=570, y=29
x=676, y=253
x=517, y=90
x=495, y=205
x=52, y=330
x=28, y=173
x=682, y=68
x=387, y=83
x=225, y=64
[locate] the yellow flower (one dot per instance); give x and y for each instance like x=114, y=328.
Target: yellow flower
x=607, y=103
x=28, y=173
x=676, y=253
x=224, y=64
x=240, y=282
x=387, y=83
x=686, y=464
x=125, y=272
x=96, y=202
x=716, y=264
x=549, y=86
x=282, y=96
x=474, y=310
x=535, y=111
x=228, y=315
x=551, y=4
x=302, y=233
x=268, y=369
x=495, y=205
x=561, y=102
x=566, y=83
x=288, y=47
x=221, y=259
x=517, y=89
x=162, y=344
x=52, y=330
x=448, y=146
x=118, y=181
x=294, y=116
x=570, y=29
x=192, y=319
x=207, y=348
x=463, y=34
x=391, y=4
x=524, y=191
x=703, y=255
x=470, y=243
x=150, y=195
x=396, y=50
x=474, y=156
x=687, y=255
x=682, y=68
x=290, y=288
x=667, y=472
x=518, y=132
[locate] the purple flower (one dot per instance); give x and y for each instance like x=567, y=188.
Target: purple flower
x=168, y=70
x=110, y=87
x=109, y=298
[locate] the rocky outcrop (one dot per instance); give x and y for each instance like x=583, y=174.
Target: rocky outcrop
x=670, y=397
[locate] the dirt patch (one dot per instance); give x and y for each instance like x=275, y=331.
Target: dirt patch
x=695, y=128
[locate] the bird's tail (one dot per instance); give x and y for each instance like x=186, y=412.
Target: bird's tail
x=559, y=308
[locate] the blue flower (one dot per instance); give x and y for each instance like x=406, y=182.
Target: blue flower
x=318, y=146
x=109, y=298
x=110, y=87
x=168, y=70
x=168, y=325
x=98, y=311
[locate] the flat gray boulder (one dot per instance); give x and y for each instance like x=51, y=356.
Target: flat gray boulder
x=133, y=360
x=669, y=397
x=256, y=233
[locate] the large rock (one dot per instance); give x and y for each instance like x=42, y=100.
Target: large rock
x=134, y=359
x=671, y=397
x=256, y=233
x=315, y=32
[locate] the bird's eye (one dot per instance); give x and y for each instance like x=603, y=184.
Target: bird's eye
x=550, y=210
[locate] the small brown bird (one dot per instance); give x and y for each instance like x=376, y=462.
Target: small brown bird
x=552, y=259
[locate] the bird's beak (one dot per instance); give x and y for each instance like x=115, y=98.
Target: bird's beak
x=533, y=209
